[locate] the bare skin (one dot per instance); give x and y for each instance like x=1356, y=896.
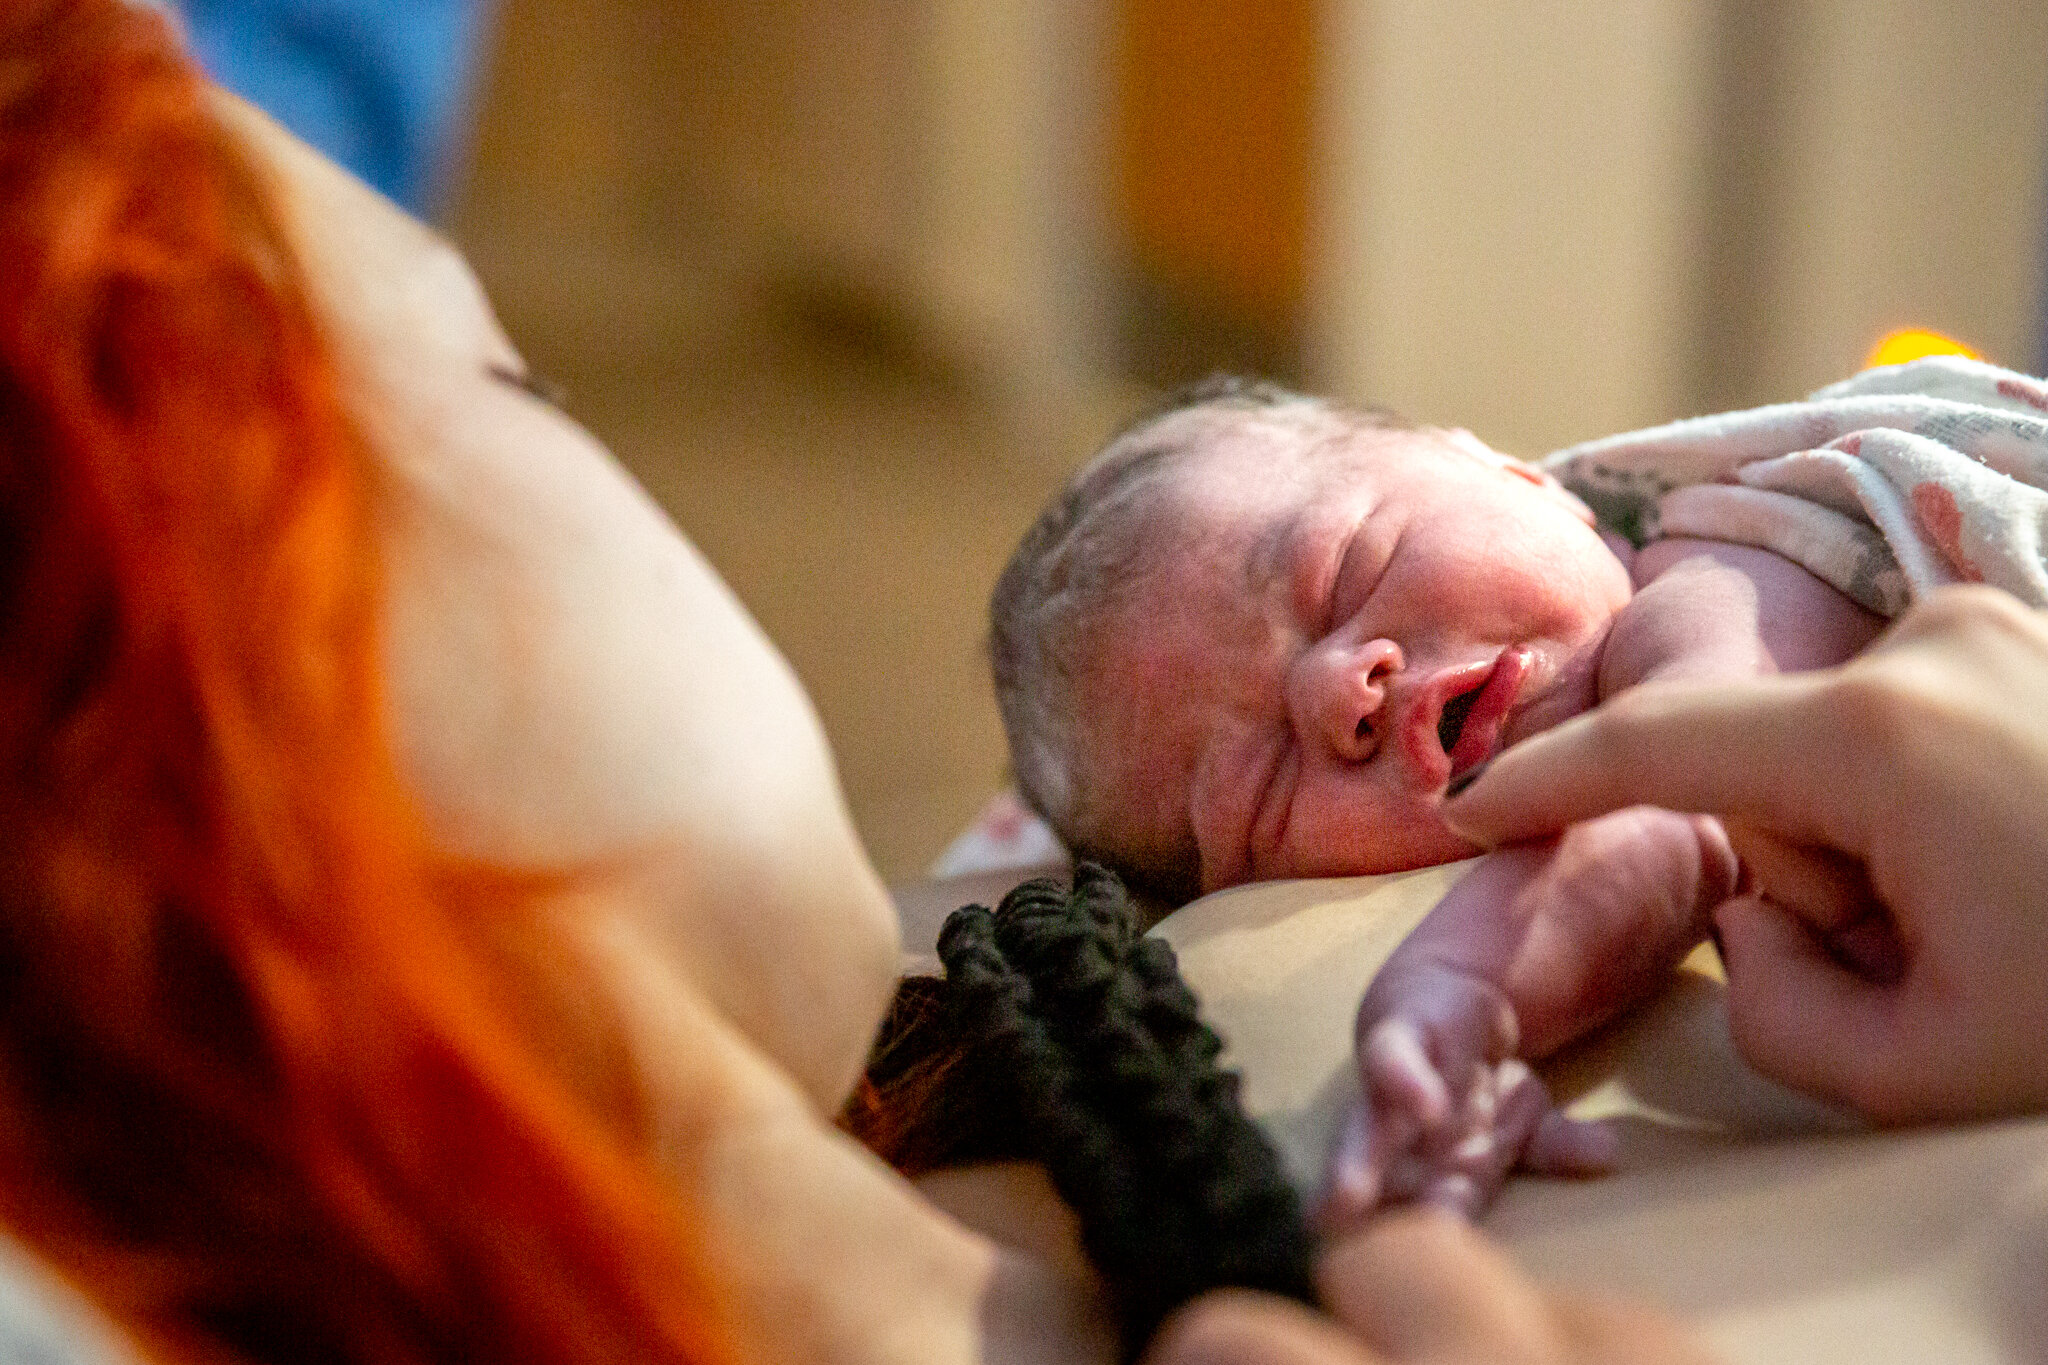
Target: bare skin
x=1899, y=797
x=1270, y=700
x=1541, y=944
x=1340, y=621
x=660, y=758
x=1422, y=1289
x=575, y=691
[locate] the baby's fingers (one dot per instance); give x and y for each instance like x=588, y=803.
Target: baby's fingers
x=1437, y=1035
x=1525, y=1131
x=1403, y=1098
x=1562, y=1145
x=1502, y=1117
x=1402, y=1075
x=1547, y=1141
x=1357, y=1174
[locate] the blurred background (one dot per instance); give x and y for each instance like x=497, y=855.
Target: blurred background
x=851, y=288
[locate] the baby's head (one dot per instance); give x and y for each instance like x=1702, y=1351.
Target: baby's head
x=1258, y=633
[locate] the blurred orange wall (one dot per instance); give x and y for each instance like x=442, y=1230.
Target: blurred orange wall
x=1211, y=140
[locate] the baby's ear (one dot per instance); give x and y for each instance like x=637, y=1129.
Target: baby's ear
x=1544, y=480
x=1481, y=451
x=1520, y=469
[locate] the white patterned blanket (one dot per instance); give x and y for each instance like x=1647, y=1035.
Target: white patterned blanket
x=1886, y=485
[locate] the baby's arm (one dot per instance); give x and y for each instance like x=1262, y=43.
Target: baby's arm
x=1535, y=947
x=1539, y=945
x=1702, y=610
x=1610, y=908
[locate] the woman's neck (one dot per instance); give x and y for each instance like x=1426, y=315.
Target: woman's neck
x=823, y=1253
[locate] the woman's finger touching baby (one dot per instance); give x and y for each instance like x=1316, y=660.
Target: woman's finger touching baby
x=1680, y=746
x=1830, y=891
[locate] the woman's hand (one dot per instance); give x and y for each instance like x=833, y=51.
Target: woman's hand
x=1893, y=814
x=1421, y=1287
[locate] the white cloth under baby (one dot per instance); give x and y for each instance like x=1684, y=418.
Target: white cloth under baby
x=1887, y=485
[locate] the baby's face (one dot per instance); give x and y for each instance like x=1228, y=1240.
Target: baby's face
x=1342, y=620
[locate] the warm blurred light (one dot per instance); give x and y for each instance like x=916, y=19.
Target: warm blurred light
x=1211, y=145
x=1910, y=343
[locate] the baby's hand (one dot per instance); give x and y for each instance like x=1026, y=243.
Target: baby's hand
x=1448, y=1110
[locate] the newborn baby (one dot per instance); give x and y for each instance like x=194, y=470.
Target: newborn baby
x=1261, y=635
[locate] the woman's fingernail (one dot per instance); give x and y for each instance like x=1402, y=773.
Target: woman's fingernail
x=1466, y=779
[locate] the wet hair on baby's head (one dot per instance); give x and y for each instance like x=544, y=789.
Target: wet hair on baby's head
x=1081, y=560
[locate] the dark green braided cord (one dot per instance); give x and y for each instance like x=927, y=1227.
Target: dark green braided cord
x=1113, y=1085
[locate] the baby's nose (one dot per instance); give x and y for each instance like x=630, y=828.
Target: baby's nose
x=1342, y=697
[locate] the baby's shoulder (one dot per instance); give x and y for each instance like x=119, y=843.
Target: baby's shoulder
x=1713, y=608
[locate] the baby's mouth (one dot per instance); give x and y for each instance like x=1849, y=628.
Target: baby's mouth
x=1452, y=722
x=1470, y=726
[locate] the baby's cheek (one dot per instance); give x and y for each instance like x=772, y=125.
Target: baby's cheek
x=1369, y=840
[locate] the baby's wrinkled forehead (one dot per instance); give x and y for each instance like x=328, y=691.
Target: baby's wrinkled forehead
x=1240, y=468
x=1210, y=528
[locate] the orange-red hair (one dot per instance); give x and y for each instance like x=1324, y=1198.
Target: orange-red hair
x=269, y=1079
